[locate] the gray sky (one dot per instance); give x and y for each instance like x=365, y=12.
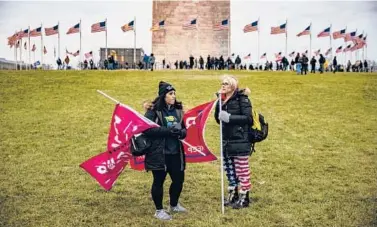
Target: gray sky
x=355, y=15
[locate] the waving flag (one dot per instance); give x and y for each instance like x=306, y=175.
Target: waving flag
x=99, y=27
x=52, y=31
x=347, y=48
x=247, y=56
x=292, y=54
x=358, y=39
x=159, y=26
x=305, y=32
x=107, y=166
x=306, y=52
x=128, y=27
x=339, y=49
x=74, y=29
x=324, y=33
x=223, y=25
x=89, y=54
x=77, y=53
x=36, y=32
x=12, y=40
x=339, y=34
x=190, y=25
x=263, y=56
x=251, y=27
x=278, y=55
x=23, y=34
x=328, y=51
x=278, y=30
x=350, y=36
x=195, y=121
x=317, y=52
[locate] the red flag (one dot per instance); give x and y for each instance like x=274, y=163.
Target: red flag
x=107, y=166
x=196, y=149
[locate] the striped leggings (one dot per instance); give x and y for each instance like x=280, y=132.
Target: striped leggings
x=238, y=172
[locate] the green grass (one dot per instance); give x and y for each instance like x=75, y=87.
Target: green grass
x=317, y=168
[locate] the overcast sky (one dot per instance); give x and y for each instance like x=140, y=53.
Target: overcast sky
x=353, y=15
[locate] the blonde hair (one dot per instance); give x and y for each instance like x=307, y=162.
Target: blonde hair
x=231, y=80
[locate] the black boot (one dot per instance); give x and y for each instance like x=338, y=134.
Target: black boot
x=243, y=201
x=232, y=197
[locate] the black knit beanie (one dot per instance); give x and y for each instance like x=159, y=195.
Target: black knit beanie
x=164, y=88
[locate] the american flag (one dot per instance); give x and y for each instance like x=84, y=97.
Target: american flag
x=128, y=27
x=76, y=53
x=278, y=30
x=18, y=44
x=328, y=51
x=324, y=33
x=339, y=34
x=247, y=56
x=347, y=48
x=350, y=36
x=36, y=32
x=355, y=47
x=278, y=55
x=12, y=40
x=251, y=27
x=339, y=49
x=44, y=50
x=365, y=40
x=190, y=25
x=317, y=52
x=23, y=33
x=223, y=25
x=74, y=29
x=292, y=54
x=159, y=26
x=99, y=27
x=357, y=39
x=263, y=56
x=88, y=55
x=305, y=32
x=52, y=31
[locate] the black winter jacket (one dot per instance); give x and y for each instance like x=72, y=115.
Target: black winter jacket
x=235, y=133
x=155, y=159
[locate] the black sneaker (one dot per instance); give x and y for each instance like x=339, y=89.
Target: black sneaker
x=242, y=202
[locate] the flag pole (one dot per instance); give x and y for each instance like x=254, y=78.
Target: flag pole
x=286, y=36
x=330, y=42
x=134, y=42
x=42, y=47
x=80, y=47
x=59, y=39
x=229, y=36
x=221, y=159
x=29, y=48
x=34, y=54
x=310, y=42
x=258, y=57
x=106, y=36
x=21, y=44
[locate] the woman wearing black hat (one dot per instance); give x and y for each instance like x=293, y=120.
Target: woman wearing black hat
x=167, y=154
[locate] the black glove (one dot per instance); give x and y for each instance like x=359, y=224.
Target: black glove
x=177, y=131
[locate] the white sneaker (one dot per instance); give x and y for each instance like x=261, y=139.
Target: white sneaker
x=162, y=215
x=177, y=208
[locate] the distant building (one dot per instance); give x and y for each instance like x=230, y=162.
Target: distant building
x=122, y=55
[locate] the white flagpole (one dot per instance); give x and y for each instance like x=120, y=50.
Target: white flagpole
x=330, y=43
x=310, y=42
x=80, y=46
x=59, y=39
x=286, y=36
x=29, y=49
x=258, y=57
x=229, y=36
x=42, y=48
x=106, y=36
x=134, y=42
x=21, y=46
x=221, y=159
x=34, y=54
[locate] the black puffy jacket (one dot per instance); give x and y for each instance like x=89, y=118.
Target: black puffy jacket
x=155, y=158
x=235, y=133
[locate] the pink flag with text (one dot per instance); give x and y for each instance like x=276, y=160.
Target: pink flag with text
x=107, y=166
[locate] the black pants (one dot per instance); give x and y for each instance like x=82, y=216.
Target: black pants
x=304, y=69
x=173, y=164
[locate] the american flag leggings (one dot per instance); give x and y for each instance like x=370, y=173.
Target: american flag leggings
x=238, y=172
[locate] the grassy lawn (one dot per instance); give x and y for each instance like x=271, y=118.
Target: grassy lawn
x=317, y=168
